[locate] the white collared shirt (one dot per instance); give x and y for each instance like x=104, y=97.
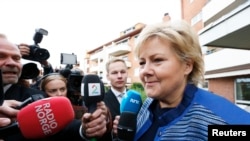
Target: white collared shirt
x=118, y=94
x=6, y=87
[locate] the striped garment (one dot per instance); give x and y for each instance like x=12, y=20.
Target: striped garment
x=189, y=121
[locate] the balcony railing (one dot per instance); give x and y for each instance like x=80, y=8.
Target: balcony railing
x=119, y=50
x=93, y=69
x=96, y=56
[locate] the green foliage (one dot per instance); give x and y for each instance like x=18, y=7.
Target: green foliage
x=106, y=88
x=139, y=88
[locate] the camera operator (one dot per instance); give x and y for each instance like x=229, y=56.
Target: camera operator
x=47, y=67
x=25, y=51
x=74, y=80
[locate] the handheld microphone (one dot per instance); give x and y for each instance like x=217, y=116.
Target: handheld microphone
x=130, y=106
x=92, y=90
x=29, y=100
x=41, y=118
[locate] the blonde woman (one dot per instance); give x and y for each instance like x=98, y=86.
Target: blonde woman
x=171, y=67
x=54, y=84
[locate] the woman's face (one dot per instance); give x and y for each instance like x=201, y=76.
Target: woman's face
x=56, y=88
x=162, y=73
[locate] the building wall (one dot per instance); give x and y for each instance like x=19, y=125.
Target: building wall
x=190, y=8
x=223, y=87
x=134, y=62
x=98, y=57
x=220, y=86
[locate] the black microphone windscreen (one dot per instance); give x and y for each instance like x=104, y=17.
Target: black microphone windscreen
x=127, y=126
x=129, y=108
x=92, y=89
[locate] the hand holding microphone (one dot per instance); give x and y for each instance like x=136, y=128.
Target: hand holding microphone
x=92, y=91
x=130, y=106
x=41, y=118
x=7, y=112
x=94, y=124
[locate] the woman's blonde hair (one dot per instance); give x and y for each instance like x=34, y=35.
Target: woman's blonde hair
x=184, y=41
x=50, y=77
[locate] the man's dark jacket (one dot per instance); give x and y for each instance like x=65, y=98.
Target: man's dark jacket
x=112, y=103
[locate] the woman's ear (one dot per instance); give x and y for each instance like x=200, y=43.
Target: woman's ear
x=189, y=66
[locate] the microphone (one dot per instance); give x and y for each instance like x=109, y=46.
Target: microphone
x=130, y=106
x=92, y=90
x=29, y=100
x=41, y=118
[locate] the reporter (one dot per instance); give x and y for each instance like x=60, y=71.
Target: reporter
x=8, y=108
x=93, y=123
x=25, y=51
x=7, y=112
x=55, y=84
x=10, y=64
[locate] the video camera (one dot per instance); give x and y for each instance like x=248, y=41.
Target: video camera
x=37, y=53
x=30, y=71
x=74, y=77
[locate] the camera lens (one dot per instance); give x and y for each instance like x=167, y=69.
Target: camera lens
x=29, y=71
x=41, y=54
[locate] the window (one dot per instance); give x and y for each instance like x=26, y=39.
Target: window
x=243, y=91
x=129, y=30
x=122, y=42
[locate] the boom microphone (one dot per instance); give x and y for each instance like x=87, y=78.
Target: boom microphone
x=130, y=106
x=92, y=90
x=41, y=118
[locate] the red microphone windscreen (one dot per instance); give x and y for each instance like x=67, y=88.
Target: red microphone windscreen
x=45, y=117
